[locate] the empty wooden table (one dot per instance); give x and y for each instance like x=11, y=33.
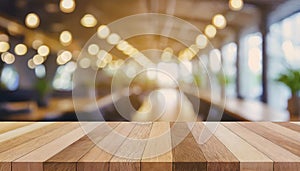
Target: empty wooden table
x=128, y=146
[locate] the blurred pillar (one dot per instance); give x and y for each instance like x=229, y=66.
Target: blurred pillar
x=238, y=68
x=264, y=32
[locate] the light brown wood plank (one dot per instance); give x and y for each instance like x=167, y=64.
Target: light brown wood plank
x=217, y=155
x=129, y=155
x=67, y=158
x=187, y=154
x=22, y=130
x=250, y=158
x=11, y=143
x=14, y=153
x=8, y=126
x=158, y=151
x=275, y=137
x=99, y=156
x=35, y=159
x=283, y=159
x=289, y=125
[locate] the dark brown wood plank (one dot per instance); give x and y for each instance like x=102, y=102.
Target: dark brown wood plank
x=187, y=154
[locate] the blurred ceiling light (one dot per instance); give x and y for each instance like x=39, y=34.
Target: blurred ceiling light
x=66, y=56
x=101, y=63
x=102, y=54
x=4, y=46
x=32, y=20
x=65, y=38
x=40, y=71
x=51, y=7
x=113, y=39
x=88, y=20
x=30, y=64
x=103, y=31
x=67, y=6
x=167, y=54
x=20, y=49
x=43, y=50
x=38, y=59
x=201, y=41
x=122, y=45
x=36, y=44
x=219, y=21
x=236, y=5
x=93, y=49
x=4, y=38
x=8, y=58
x=85, y=63
x=210, y=31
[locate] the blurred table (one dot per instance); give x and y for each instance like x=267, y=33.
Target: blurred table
x=235, y=146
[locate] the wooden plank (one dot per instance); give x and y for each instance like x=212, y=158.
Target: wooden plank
x=8, y=126
x=16, y=152
x=99, y=156
x=129, y=155
x=217, y=155
x=250, y=158
x=283, y=159
x=282, y=130
x=158, y=151
x=34, y=160
x=275, y=137
x=11, y=143
x=67, y=158
x=289, y=125
x=22, y=130
x=187, y=154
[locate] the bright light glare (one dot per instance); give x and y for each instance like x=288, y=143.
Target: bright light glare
x=32, y=20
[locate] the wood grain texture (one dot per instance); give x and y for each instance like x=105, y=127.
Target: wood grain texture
x=282, y=140
x=45, y=152
x=217, y=155
x=75, y=151
x=186, y=152
x=250, y=158
x=130, y=153
x=283, y=159
x=99, y=156
x=158, y=151
x=133, y=146
x=7, y=126
x=289, y=125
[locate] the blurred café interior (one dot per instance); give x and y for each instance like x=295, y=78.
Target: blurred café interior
x=70, y=60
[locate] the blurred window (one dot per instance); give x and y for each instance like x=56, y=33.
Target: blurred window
x=9, y=78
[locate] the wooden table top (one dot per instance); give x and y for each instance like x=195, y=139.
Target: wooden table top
x=64, y=146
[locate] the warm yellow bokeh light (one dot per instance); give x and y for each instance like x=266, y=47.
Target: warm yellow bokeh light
x=43, y=50
x=4, y=46
x=113, y=39
x=93, y=49
x=219, y=21
x=167, y=54
x=36, y=44
x=8, y=58
x=38, y=59
x=32, y=20
x=201, y=41
x=210, y=31
x=31, y=64
x=85, y=63
x=4, y=38
x=88, y=20
x=20, y=49
x=66, y=56
x=236, y=5
x=67, y=6
x=65, y=38
x=103, y=31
